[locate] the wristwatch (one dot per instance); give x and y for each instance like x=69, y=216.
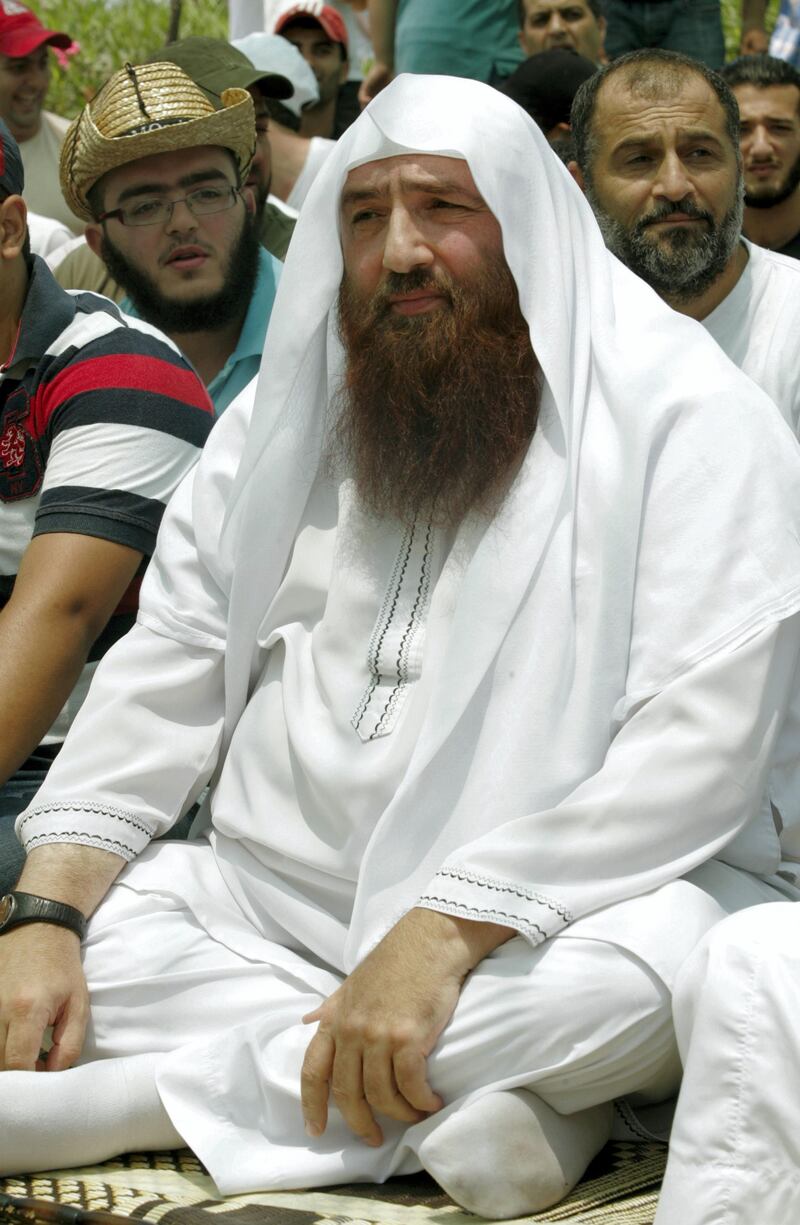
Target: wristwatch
x=17, y=908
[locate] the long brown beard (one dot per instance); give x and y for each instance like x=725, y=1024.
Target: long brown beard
x=436, y=409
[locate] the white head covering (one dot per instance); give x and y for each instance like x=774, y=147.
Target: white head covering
x=613, y=355
x=653, y=523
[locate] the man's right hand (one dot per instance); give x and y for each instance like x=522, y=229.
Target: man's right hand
x=41, y=976
x=41, y=985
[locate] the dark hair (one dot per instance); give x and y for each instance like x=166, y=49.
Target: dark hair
x=94, y=199
x=596, y=7
x=651, y=72
x=761, y=71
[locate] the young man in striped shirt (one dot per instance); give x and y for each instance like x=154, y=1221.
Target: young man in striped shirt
x=100, y=418
x=162, y=186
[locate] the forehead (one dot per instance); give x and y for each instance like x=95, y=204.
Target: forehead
x=19, y=63
x=538, y=8
x=166, y=170
x=624, y=110
x=410, y=172
x=306, y=34
x=778, y=101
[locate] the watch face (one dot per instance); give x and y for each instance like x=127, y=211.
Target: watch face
x=8, y=905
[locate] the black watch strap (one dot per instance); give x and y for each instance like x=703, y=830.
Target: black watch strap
x=17, y=908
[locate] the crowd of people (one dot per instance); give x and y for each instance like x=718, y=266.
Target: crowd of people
x=405, y=772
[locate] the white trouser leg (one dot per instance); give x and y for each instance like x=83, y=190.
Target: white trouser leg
x=579, y=1021
x=735, y=1146
x=158, y=981
x=54, y=1120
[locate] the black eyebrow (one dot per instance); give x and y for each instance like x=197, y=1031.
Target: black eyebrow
x=653, y=138
x=158, y=189
x=768, y=119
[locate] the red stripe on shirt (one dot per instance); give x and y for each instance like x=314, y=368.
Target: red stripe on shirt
x=131, y=371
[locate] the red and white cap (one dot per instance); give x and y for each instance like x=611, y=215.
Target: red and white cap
x=22, y=33
x=331, y=21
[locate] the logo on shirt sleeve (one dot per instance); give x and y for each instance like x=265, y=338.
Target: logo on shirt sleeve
x=21, y=469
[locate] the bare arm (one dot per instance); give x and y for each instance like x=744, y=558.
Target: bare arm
x=382, y=18
x=754, y=36
x=41, y=979
x=376, y=1032
x=67, y=588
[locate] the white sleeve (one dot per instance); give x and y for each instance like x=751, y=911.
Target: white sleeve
x=681, y=779
x=148, y=737
x=140, y=751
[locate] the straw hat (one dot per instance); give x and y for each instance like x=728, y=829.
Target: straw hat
x=153, y=108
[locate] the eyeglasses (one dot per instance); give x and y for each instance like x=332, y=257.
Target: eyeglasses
x=157, y=211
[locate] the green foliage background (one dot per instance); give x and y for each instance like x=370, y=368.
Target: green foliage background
x=731, y=20
x=111, y=33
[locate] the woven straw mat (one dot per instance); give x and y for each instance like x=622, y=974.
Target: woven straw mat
x=620, y=1188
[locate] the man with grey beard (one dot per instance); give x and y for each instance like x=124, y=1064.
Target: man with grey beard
x=657, y=154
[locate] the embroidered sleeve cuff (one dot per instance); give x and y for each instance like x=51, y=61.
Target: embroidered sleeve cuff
x=488, y=900
x=106, y=828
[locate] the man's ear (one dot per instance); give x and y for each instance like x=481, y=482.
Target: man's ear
x=94, y=237
x=577, y=175
x=13, y=226
x=249, y=197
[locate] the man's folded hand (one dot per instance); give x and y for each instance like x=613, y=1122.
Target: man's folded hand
x=375, y=1033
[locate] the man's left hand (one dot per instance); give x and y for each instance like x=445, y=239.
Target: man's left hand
x=376, y=1032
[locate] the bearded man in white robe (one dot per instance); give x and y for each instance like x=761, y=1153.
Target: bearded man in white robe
x=482, y=631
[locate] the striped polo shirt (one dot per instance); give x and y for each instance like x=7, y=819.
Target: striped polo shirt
x=100, y=418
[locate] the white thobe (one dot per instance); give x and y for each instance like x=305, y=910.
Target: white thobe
x=177, y=962
x=336, y=713
x=212, y=954
x=735, y=1145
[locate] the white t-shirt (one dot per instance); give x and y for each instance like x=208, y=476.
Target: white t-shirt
x=48, y=235
x=40, y=157
x=758, y=326
x=282, y=205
